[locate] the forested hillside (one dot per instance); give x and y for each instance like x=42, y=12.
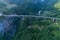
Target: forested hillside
x=29, y=19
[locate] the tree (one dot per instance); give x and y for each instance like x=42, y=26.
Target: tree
x=33, y=28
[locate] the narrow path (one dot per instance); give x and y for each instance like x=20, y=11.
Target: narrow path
x=30, y=16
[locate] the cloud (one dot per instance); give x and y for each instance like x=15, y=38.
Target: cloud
x=11, y=6
x=42, y=0
x=8, y=5
x=4, y=1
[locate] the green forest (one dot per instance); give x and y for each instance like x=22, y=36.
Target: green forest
x=33, y=20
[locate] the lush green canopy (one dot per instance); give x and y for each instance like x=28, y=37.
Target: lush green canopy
x=35, y=28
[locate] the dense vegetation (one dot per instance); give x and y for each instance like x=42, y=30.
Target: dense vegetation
x=32, y=28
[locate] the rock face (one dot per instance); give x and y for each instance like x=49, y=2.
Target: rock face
x=7, y=27
x=2, y=29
